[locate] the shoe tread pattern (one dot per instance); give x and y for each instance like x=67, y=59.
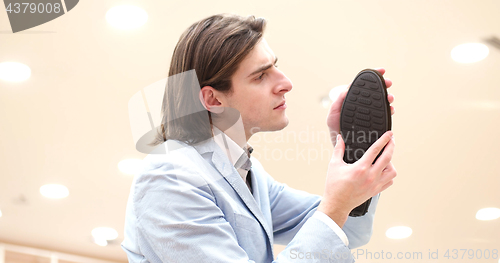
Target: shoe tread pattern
x=364, y=117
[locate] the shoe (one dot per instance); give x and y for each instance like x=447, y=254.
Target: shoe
x=365, y=117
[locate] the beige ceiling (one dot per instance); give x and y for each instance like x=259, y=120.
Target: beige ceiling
x=69, y=122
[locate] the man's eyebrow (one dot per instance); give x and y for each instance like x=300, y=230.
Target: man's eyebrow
x=262, y=68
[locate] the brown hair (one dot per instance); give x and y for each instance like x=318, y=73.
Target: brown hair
x=214, y=47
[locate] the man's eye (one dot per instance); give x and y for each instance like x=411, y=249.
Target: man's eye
x=261, y=75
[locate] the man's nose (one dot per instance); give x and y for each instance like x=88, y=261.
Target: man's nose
x=285, y=84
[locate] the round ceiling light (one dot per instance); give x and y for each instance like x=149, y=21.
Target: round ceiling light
x=489, y=213
x=54, y=191
x=325, y=102
x=101, y=235
x=335, y=92
x=398, y=232
x=126, y=17
x=101, y=242
x=469, y=53
x=14, y=71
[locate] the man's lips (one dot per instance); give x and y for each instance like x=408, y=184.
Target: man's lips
x=281, y=106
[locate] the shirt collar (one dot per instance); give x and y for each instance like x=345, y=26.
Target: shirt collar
x=233, y=151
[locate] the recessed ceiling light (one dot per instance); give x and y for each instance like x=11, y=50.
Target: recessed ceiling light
x=101, y=242
x=325, y=102
x=469, y=53
x=126, y=16
x=130, y=166
x=489, y=213
x=14, y=71
x=398, y=232
x=101, y=234
x=54, y=191
x=335, y=92
x=0, y=213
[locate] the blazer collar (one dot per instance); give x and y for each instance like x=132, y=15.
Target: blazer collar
x=221, y=162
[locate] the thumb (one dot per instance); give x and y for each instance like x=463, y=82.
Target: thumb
x=338, y=152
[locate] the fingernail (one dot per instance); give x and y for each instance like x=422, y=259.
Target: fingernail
x=338, y=137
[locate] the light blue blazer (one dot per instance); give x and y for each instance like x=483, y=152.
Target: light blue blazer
x=190, y=205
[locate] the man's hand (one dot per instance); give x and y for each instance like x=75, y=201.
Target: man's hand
x=349, y=185
x=333, y=118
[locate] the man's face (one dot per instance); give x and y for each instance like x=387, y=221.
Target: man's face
x=258, y=89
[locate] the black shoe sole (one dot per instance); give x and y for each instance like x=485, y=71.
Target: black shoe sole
x=365, y=117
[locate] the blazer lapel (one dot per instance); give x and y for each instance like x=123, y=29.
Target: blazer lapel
x=222, y=164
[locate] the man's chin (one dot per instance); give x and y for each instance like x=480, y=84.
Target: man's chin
x=276, y=126
x=285, y=123
x=280, y=126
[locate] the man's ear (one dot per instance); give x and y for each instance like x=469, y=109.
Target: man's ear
x=209, y=99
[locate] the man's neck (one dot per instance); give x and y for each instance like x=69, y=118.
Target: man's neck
x=236, y=133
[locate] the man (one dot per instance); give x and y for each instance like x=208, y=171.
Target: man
x=206, y=199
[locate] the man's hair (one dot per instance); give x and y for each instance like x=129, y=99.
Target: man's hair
x=214, y=47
